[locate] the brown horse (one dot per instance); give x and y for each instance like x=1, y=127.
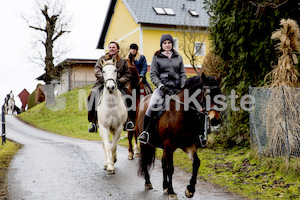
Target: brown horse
x=179, y=127
x=139, y=90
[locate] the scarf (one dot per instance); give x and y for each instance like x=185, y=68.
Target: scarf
x=167, y=54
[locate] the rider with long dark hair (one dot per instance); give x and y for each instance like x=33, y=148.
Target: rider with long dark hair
x=167, y=73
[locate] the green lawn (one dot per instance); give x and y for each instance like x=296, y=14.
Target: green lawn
x=7, y=151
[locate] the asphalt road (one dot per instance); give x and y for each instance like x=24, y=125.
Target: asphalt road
x=51, y=166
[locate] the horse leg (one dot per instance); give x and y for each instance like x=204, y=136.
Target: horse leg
x=146, y=160
x=190, y=189
x=115, y=139
x=136, y=150
x=169, y=170
x=105, y=165
x=130, y=149
x=109, y=165
x=165, y=178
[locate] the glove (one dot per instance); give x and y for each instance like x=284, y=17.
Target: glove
x=165, y=90
x=142, y=78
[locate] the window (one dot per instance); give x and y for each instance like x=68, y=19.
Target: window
x=169, y=11
x=193, y=13
x=175, y=43
x=164, y=11
x=199, y=48
x=159, y=11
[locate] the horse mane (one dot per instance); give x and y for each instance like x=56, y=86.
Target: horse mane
x=196, y=82
x=193, y=83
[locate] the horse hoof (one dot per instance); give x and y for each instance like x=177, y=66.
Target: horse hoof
x=188, y=194
x=111, y=171
x=172, y=197
x=115, y=160
x=105, y=167
x=148, y=186
x=130, y=156
x=136, y=155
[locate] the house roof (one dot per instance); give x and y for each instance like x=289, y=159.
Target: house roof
x=68, y=62
x=142, y=11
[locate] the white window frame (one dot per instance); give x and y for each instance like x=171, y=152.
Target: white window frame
x=194, y=13
x=169, y=11
x=202, y=51
x=175, y=43
x=159, y=10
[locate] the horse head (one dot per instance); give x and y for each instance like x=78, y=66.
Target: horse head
x=11, y=95
x=211, y=88
x=206, y=88
x=109, y=71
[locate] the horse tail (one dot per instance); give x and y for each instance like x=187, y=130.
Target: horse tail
x=147, y=159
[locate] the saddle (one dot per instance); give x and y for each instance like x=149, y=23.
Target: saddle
x=198, y=118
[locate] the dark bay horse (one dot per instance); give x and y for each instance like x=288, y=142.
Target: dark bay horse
x=179, y=128
x=139, y=91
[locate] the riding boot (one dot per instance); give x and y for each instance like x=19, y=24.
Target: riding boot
x=129, y=126
x=92, y=117
x=145, y=135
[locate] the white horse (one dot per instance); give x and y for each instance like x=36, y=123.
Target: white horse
x=112, y=113
x=10, y=104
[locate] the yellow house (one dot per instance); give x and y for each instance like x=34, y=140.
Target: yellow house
x=143, y=22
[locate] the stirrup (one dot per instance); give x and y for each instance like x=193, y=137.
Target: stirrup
x=129, y=124
x=203, y=141
x=145, y=134
x=92, y=128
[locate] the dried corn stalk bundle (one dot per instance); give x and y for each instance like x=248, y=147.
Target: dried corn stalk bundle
x=210, y=63
x=282, y=116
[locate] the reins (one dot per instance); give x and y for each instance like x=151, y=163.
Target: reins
x=202, y=102
x=203, y=111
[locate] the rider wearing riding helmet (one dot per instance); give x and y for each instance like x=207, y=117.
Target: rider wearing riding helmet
x=167, y=73
x=123, y=77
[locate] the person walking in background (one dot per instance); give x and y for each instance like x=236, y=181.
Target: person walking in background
x=167, y=73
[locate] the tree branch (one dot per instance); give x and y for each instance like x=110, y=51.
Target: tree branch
x=270, y=4
x=37, y=28
x=45, y=13
x=59, y=34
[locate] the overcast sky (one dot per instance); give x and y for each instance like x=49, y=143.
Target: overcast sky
x=16, y=70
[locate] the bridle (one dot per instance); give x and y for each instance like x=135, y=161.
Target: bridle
x=204, y=93
x=109, y=79
x=202, y=101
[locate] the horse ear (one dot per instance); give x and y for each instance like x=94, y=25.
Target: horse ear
x=114, y=59
x=203, y=77
x=102, y=61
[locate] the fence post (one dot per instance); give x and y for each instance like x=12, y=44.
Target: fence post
x=3, y=126
x=285, y=122
x=260, y=149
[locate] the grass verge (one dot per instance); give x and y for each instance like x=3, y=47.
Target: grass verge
x=7, y=151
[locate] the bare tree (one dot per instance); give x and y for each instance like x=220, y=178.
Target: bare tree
x=51, y=22
x=191, y=41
